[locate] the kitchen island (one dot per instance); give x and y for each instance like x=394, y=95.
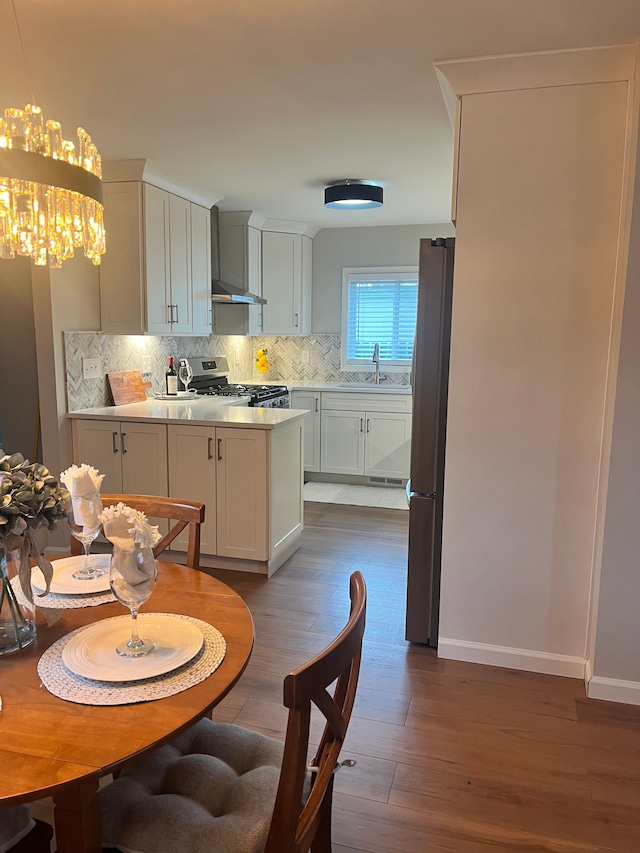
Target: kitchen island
x=245, y=464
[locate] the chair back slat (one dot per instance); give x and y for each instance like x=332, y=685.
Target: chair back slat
x=297, y=823
x=183, y=514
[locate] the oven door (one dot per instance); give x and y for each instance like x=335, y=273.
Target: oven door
x=280, y=402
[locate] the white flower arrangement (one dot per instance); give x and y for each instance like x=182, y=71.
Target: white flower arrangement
x=82, y=479
x=128, y=528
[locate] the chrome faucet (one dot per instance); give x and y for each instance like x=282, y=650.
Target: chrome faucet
x=376, y=361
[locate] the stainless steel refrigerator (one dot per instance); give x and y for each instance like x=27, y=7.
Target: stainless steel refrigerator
x=425, y=488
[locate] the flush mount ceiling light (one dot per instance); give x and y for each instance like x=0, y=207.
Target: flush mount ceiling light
x=353, y=195
x=50, y=194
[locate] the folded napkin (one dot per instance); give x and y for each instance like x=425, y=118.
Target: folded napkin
x=133, y=539
x=83, y=483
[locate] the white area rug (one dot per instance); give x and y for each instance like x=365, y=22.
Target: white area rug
x=339, y=493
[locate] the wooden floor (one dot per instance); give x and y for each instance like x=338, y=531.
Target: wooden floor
x=450, y=756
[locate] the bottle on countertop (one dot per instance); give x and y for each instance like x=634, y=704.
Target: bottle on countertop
x=171, y=378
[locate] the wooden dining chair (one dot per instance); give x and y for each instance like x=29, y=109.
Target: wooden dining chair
x=184, y=514
x=224, y=788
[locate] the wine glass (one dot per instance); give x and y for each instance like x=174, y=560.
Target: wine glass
x=185, y=374
x=132, y=577
x=84, y=525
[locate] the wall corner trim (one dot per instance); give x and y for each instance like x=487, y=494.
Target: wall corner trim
x=505, y=656
x=506, y=73
x=115, y=171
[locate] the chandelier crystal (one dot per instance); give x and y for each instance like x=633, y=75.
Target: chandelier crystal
x=50, y=191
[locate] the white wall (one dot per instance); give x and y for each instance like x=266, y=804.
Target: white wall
x=617, y=639
x=63, y=299
x=540, y=190
x=74, y=294
x=335, y=248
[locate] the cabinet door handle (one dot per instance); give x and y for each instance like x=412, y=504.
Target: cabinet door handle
x=219, y=449
x=368, y=424
x=296, y=322
x=114, y=436
x=170, y=316
x=177, y=320
x=122, y=438
x=209, y=453
x=361, y=424
x=316, y=405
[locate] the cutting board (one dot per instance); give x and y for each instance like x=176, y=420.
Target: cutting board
x=127, y=386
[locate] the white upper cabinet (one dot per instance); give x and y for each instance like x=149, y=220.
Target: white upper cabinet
x=122, y=294
x=156, y=278
x=240, y=264
x=286, y=283
x=201, y=270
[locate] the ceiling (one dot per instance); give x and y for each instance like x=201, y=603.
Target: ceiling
x=265, y=102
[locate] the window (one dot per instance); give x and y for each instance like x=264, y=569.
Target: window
x=379, y=306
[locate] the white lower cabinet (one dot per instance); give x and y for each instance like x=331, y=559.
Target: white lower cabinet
x=387, y=446
x=309, y=400
x=342, y=442
x=226, y=469
x=131, y=455
x=242, y=496
x=192, y=476
x=250, y=481
x=361, y=441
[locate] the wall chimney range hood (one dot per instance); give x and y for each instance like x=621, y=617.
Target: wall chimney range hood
x=223, y=292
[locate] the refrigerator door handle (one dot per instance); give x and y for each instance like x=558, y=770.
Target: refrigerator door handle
x=431, y=496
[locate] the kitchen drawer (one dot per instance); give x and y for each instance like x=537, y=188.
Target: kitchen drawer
x=370, y=402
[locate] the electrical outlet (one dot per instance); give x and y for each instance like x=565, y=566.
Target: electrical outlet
x=305, y=356
x=147, y=364
x=91, y=368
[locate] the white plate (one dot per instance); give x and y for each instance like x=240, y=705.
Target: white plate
x=181, y=395
x=63, y=581
x=92, y=652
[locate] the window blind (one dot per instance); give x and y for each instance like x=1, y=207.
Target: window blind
x=381, y=310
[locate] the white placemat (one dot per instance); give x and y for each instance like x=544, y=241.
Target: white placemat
x=56, y=601
x=84, y=691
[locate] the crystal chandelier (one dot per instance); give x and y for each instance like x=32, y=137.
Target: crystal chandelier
x=50, y=193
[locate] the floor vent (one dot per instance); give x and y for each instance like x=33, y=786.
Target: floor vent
x=393, y=481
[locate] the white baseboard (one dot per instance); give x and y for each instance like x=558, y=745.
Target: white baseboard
x=526, y=659
x=588, y=673
x=614, y=690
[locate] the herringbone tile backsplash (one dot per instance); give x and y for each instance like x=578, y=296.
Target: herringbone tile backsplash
x=125, y=352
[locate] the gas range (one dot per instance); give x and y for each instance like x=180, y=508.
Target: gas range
x=210, y=378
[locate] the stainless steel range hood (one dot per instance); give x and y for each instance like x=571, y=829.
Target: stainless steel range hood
x=222, y=292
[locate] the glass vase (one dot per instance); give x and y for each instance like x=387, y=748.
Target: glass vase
x=17, y=617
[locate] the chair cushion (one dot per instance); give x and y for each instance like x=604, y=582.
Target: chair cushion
x=211, y=790
x=15, y=823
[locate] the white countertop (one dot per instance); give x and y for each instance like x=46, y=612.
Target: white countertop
x=351, y=387
x=203, y=411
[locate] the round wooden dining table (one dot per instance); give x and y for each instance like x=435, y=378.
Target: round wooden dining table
x=52, y=747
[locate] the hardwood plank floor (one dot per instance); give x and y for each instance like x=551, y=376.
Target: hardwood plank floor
x=450, y=756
